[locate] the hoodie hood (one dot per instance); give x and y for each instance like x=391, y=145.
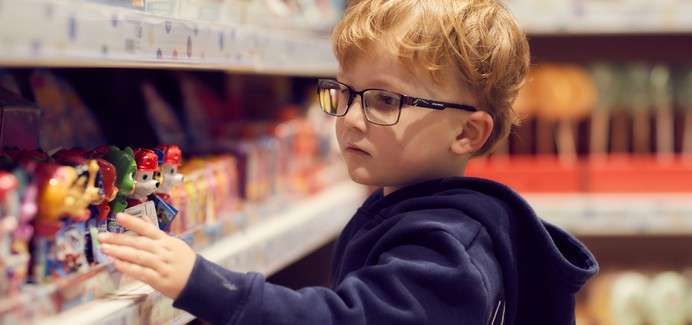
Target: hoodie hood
x=543, y=266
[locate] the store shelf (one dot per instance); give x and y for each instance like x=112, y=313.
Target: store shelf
x=560, y=17
x=645, y=214
x=266, y=246
x=52, y=33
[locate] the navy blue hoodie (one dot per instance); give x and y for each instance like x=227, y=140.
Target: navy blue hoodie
x=448, y=251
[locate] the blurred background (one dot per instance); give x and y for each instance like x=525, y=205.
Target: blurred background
x=604, y=149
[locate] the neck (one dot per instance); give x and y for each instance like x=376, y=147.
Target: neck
x=391, y=189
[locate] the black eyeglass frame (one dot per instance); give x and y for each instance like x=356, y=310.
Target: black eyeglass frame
x=403, y=100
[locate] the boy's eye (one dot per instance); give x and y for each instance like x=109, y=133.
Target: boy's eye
x=144, y=177
x=387, y=99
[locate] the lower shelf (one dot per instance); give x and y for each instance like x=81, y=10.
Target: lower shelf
x=615, y=214
x=267, y=246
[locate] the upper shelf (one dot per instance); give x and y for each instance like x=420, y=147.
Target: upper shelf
x=61, y=33
x=597, y=17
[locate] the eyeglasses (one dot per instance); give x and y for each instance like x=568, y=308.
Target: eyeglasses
x=380, y=107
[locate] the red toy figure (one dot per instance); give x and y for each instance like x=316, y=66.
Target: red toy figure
x=108, y=178
x=170, y=159
x=145, y=184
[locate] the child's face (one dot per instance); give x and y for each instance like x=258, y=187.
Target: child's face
x=418, y=146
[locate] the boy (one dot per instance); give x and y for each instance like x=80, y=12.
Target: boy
x=431, y=246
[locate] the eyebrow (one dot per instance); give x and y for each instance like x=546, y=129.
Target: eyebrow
x=379, y=83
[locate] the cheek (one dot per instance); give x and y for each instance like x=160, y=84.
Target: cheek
x=422, y=145
x=339, y=128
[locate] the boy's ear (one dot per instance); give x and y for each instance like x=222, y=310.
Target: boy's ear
x=473, y=134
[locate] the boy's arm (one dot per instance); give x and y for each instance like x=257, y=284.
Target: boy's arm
x=430, y=278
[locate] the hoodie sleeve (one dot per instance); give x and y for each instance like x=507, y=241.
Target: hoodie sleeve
x=427, y=279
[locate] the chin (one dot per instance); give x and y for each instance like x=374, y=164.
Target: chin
x=363, y=177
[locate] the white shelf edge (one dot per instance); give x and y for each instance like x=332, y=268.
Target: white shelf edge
x=616, y=214
x=61, y=33
x=327, y=211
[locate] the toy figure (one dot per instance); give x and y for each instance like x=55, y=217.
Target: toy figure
x=17, y=268
x=100, y=209
x=125, y=167
x=108, y=186
x=65, y=194
x=145, y=182
x=67, y=191
x=9, y=211
x=170, y=158
x=145, y=185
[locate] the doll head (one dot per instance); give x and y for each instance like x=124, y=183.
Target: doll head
x=170, y=159
x=125, y=167
x=145, y=182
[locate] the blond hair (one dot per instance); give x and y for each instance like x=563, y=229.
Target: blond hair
x=479, y=39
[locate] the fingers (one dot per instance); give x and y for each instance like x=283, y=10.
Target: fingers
x=138, y=242
x=137, y=272
x=139, y=226
x=133, y=256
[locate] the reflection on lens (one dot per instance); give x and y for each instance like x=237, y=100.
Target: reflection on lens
x=333, y=98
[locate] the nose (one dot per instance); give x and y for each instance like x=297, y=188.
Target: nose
x=355, y=117
x=157, y=184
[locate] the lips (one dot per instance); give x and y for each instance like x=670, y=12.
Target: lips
x=356, y=150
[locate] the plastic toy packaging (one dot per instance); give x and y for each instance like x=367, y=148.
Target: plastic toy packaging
x=64, y=196
x=62, y=108
x=125, y=167
x=15, y=232
x=170, y=157
x=138, y=203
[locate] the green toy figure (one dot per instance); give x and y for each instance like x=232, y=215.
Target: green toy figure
x=125, y=166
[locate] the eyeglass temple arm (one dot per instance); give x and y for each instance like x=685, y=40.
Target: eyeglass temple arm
x=420, y=102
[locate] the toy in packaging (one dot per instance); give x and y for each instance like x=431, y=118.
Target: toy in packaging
x=13, y=262
x=17, y=265
x=125, y=167
x=170, y=159
x=145, y=184
x=55, y=119
x=65, y=193
x=62, y=111
x=100, y=210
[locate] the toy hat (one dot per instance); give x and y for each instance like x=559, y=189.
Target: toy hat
x=147, y=160
x=171, y=154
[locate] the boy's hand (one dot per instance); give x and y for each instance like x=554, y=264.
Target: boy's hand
x=153, y=257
